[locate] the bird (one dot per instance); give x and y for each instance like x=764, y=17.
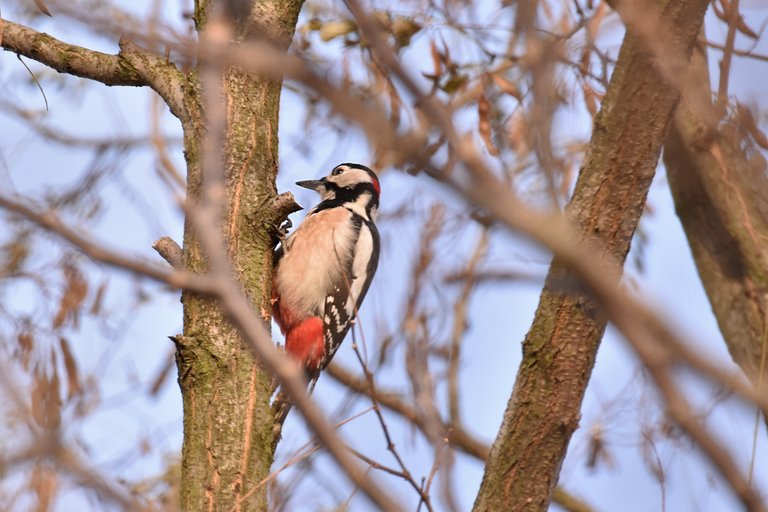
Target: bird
x=323, y=270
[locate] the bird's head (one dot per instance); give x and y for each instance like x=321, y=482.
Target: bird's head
x=349, y=184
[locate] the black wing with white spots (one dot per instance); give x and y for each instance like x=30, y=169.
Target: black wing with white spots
x=348, y=293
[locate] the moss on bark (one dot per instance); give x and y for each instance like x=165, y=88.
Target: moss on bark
x=228, y=434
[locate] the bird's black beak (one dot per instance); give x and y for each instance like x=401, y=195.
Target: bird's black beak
x=311, y=184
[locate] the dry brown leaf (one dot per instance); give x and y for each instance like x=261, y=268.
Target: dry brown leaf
x=70, y=365
x=26, y=344
x=598, y=451
x=455, y=82
x=547, y=11
x=437, y=61
x=54, y=396
x=567, y=180
x=16, y=252
x=37, y=398
x=403, y=29
x=333, y=29
x=484, y=124
x=145, y=446
x=73, y=297
x=98, y=300
x=437, y=65
x=446, y=57
x=46, y=402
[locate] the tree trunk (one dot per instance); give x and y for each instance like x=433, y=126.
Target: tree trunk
x=720, y=196
x=560, y=348
x=228, y=435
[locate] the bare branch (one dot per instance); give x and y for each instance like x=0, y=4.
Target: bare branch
x=741, y=53
x=68, y=58
x=718, y=196
x=132, y=66
x=725, y=63
x=170, y=251
x=460, y=312
x=50, y=222
x=158, y=73
x=281, y=206
x=404, y=472
x=657, y=360
x=456, y=435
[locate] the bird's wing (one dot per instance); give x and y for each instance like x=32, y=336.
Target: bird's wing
x=348, y=292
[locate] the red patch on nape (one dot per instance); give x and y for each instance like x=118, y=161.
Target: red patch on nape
x=305, y=344
x=376, y=185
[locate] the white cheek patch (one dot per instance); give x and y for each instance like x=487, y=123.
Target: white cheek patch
x=351, y=177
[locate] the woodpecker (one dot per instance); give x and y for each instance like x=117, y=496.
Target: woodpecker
x=324, y=269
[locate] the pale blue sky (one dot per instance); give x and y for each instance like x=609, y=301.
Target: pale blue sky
x=126, y=354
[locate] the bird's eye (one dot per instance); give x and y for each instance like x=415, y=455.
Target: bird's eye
x=337, y=171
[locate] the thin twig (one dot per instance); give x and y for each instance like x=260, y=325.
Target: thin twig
x=50, y=222
x=34, y=78
x=740, y=53
x=300, y=454
x=725, y=63
x=455, y=435
x=460, y=309
x=404, y=472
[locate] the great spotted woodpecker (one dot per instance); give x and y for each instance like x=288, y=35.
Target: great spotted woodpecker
x=324, y=268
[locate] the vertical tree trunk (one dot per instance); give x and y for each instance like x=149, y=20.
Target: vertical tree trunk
x=228, y=435
x=720, y=196
x=560, y=348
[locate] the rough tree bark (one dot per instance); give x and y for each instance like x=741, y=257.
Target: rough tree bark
x=720, y=196
x=560, y=348
x=228, y=435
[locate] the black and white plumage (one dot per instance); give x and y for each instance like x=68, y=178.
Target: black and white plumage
x=323, y=269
